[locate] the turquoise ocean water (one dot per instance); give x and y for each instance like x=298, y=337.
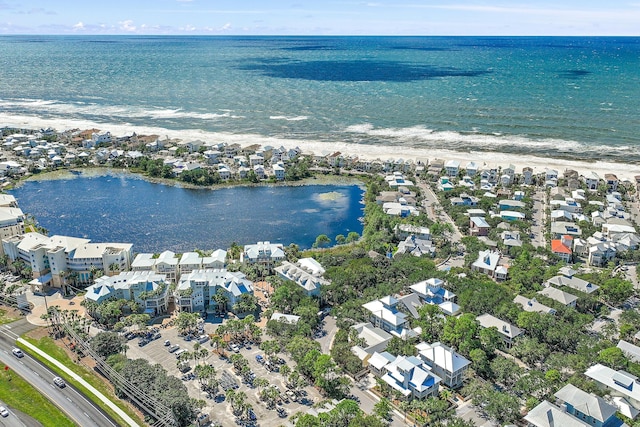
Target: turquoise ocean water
x=547, y=96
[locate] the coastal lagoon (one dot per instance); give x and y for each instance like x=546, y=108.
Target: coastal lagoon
x=122, y=207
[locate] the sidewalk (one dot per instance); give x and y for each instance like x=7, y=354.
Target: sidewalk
x=85, y=384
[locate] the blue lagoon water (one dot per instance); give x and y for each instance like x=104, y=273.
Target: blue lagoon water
x=576, y=97
x=155, y=217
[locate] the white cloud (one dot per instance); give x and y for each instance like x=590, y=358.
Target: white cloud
x=127, y=26
x=79, y=26
x=226, y=27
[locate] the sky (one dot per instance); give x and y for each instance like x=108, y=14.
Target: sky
x=322, y=17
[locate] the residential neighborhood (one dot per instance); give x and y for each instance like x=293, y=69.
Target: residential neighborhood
x=480, y=294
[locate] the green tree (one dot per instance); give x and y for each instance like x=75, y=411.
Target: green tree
x=107, y=344
x=322, y=241
x=383, y=409
x=613, y=357
x=461, y=332
x=186, y=322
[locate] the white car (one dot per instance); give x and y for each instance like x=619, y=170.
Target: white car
x=17, y=352
x=59, y=382
x=4, y=412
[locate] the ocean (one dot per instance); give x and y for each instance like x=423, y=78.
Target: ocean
x=573, y=97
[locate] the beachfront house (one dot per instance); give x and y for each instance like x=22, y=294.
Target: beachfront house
x=592, y=180
x=527, y=175
x=215, y=290
x=611, y=181
x=452, y=167
x=507, y=331
x=472, y=169
x=445, y=362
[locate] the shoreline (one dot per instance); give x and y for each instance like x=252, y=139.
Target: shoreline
x=624, y=171
x=94, y=171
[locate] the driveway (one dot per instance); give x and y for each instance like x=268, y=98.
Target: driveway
x=329, y=330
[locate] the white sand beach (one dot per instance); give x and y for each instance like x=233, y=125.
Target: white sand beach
x=624, y=171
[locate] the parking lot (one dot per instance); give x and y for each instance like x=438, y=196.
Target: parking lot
x=217, y=407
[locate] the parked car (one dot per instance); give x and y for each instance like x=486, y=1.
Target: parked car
x=188, y=337
x=173, y=348
x=17, y=352
x=235, y=348
x=282, y=413
x=260, y=359
x=179, y=352
x=4, y=412
x=143, y=342
x=203, y=339
x=59, y=382
x=167, y=343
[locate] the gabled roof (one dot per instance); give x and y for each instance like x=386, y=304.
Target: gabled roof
x=574, y=283
x=558, y=247
x=442, y=356
x=630, y=350
x=505, y=328
x=479, y=222
x=556, y=294
x=532, y=305
x=549, y=415
x=586, y=403
x=620, y=381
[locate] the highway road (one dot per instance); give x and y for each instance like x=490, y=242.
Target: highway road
x=73, y=403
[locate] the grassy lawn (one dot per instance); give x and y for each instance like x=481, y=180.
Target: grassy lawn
x=20, y=395
x=4, y=318
x=47, y=345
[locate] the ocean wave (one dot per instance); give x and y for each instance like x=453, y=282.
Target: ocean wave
x=422, y=136
x=290, y=119
x=35, y=106
x=367, y=141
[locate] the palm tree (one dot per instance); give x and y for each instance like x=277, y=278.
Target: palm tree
x=285, y=370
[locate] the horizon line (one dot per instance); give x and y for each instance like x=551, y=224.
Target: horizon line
x=312, y=35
